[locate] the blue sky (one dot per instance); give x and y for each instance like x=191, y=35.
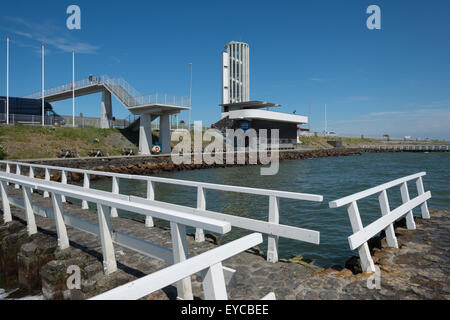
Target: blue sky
x=395, y=80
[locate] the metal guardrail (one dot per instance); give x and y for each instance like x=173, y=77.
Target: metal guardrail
x=362, y=234
x=410, y=147
x=121, y=89
x=272, y=227
x=30, y=119
x=209, y=264
x=108, y=236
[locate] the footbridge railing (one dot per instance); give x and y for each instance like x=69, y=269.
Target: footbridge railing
x=272, y=227
x=208, y=264
x=120, y=88
x=361, y=234
x=103, y=230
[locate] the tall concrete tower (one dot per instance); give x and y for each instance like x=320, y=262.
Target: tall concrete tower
x=236, y=73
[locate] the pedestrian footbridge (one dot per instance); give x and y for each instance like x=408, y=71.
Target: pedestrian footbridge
x=149, y=107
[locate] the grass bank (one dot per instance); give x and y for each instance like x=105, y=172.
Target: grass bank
x=34, y=142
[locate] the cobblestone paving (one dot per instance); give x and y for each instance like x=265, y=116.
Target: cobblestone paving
x=418, y=270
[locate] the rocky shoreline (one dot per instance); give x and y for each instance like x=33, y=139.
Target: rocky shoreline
x=150, y=165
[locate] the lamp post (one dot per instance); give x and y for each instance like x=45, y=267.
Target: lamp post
x=7, y=79
x=43, y=104
x=73, y=88
x=190, y=98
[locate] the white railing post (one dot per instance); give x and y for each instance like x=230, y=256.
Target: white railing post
x=104, y=223
x=274, y=217
x=18, y=172
x=391, y=239
x=31, y=175
x=201, y=205
x=410, y=224
x=58, y=211
x=115, y=190
x=150, y=196
x=367, y=264
x=5, y=203
x=47, y=178
x=31, y=222
x=63, y=181
x=8, y=170
x=214, y=283
x=86, y=184
x=424, y=206
x=180, y=253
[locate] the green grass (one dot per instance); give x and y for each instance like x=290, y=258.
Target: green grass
x=32, y=142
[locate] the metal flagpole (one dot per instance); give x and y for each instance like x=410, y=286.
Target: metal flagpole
x=190, y=99
x=73, y=88
x=43, y=105
x=7, y=79
x=309, y=114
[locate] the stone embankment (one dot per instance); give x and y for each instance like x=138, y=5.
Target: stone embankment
x=149, y=165
x=419, y=269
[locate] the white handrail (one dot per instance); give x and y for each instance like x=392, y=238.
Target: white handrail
x=366, y=193
x=105, y=200
x=123, y=91
x=271, y=227
x=361, y=235
x=206, y=185
x=209, y=262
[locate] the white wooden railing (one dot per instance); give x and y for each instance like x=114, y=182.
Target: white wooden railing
x=108, y=236
x=208, y=264
x=362, y=234
x=272, y=227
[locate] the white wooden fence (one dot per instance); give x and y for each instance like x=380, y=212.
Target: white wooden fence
x=208, y=264
x=272, y=227
x=362, y=234
x=108, y=236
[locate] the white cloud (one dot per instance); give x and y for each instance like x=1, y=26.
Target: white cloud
x=25, y=34
x=424, y=123
x=378, y=114
x=59, y=38
x=318, y=79
x=352, y=99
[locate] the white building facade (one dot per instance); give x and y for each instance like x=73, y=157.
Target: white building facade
x=235, y=73
x=239, y=112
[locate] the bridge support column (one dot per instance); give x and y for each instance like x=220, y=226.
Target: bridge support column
x=106, y=112
x=164, y=134
x=145, y=134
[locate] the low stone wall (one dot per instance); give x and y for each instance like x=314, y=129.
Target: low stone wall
x=150, y=165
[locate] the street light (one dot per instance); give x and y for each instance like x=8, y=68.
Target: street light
x=73, y=88
x=7, y=79
x=190, y=98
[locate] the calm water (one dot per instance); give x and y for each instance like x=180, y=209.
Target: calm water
x=331, y=177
